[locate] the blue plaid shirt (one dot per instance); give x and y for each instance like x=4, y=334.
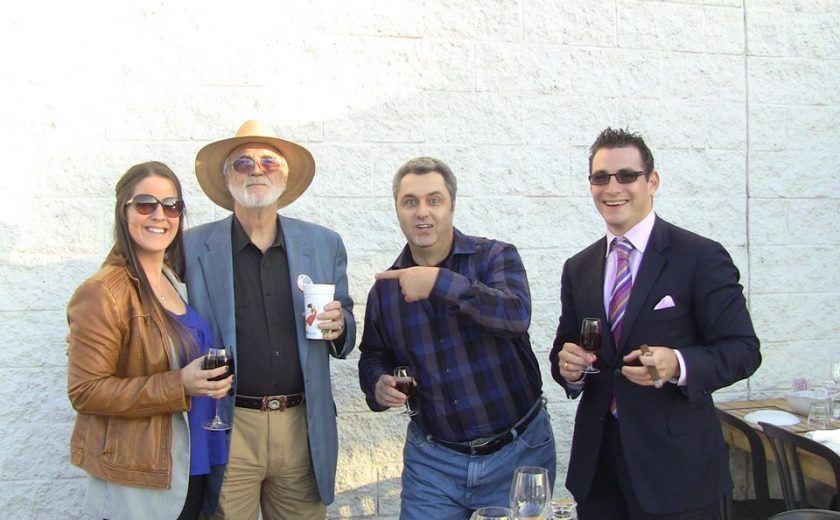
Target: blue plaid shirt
x=467, y=344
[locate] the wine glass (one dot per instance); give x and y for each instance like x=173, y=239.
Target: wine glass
x=530, y=493
x=492, y=513
x=590, y=340
x=405, y=384
x=834, y=368
x=215, y=358
x=563, y=509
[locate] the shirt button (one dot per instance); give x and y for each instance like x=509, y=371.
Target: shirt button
x=617, y=371
x=265, y=265
x=276, y=354
x=455, y=401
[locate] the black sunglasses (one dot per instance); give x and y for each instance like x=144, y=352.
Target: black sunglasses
x=622, y=176
x=247, y=164
x=147, y=204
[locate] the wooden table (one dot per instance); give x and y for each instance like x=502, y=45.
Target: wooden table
x=812, y=466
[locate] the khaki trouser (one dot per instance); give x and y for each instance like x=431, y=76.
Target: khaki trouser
x=270, y=467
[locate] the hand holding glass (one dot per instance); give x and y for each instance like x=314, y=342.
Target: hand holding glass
x=530, y=493
x=215, y=358
x=405, y=384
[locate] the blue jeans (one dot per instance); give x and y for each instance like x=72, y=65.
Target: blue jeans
x=441, y=484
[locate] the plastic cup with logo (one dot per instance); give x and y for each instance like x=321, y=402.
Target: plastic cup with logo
x=315, y=297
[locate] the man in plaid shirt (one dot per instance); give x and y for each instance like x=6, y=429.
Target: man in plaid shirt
x=455, y=309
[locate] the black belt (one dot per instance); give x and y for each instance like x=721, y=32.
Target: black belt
x=270, y=403
x=488, y=445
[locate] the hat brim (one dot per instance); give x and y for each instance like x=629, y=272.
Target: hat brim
x=211, y=159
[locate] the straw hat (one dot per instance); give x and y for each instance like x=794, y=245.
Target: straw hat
x=211, y=159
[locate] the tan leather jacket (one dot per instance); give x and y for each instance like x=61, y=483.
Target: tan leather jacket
x=120, y=383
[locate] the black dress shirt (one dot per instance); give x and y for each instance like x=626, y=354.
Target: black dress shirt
x=266, y=339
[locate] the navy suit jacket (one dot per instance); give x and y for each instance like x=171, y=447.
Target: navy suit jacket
x=312, y=250
x=671, y=437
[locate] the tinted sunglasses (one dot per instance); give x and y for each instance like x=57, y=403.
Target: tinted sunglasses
x=147, y=204
x=622, y=176
x=247, y=164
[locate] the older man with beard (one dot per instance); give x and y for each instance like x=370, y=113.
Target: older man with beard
x=245, y=275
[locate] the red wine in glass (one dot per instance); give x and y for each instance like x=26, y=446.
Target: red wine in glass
x=590, y=340
x=215, y=358
x=211, y=362
x=405, y=384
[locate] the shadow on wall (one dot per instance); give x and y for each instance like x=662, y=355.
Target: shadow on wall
x=378, y=499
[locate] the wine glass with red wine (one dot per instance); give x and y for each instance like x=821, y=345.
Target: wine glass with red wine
x=405, y=384
x=215, y=358
x=590, y=340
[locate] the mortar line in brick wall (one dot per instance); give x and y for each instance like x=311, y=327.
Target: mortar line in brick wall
x=748, y=289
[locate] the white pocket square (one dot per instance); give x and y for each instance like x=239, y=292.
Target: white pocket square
x=665, y=303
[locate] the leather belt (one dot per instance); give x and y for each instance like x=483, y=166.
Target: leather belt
x=270, y=403
x=488, y=445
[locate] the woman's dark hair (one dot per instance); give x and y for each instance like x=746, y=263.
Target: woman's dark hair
x=124, y=247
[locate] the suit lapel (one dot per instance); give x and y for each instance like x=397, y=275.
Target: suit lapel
x=217, y=265
x=653, y=262
x=299, y=257
x=593, y=305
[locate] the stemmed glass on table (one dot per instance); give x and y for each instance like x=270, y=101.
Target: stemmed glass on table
x=833, y=385
x=405, y=384
x=215, y=358
x=492, y=513
x=590, y=340
x=530, y=493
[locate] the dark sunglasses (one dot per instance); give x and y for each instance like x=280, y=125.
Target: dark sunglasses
x=622, y=176
x=247, y=164
x=147, y=204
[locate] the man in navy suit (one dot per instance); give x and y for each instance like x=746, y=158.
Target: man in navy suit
x=647, y=443
x=245, y=275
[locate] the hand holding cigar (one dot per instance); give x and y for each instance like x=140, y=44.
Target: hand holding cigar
x=654, y=374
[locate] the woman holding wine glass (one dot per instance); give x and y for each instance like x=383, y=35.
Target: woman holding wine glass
x=135, y=372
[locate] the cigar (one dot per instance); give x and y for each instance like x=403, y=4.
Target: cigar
x=654, y=374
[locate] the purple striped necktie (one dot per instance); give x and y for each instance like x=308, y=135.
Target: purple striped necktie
x=621, y=287
x=620, y=294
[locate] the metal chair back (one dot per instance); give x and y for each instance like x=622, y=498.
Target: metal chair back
x=762, y=506
x=806, y=514
x=785, y=447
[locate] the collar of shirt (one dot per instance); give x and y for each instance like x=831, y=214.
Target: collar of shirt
x=240, y=239
x=638, y=235
x=461, y=245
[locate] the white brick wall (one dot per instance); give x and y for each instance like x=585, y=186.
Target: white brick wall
x=740, y=100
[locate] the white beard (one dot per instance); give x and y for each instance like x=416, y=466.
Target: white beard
x=256, y=199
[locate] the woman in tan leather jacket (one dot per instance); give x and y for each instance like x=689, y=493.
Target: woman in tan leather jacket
x=134, y=365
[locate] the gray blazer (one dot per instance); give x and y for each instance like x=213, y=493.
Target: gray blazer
x=312, y=250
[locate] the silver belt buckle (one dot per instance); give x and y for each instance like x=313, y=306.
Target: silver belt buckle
x=480, y=442
x=273, y=404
